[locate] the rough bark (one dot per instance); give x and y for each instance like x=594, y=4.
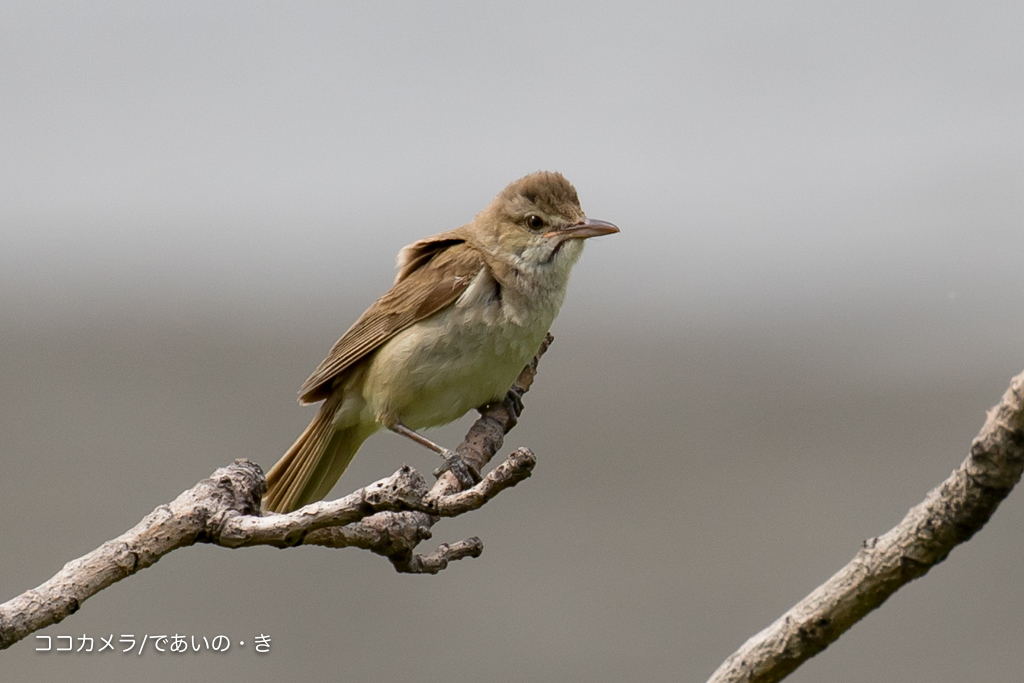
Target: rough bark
x=389, y=517
x=393, y=516
x=949, y=515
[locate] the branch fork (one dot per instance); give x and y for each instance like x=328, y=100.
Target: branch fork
x=390, y=517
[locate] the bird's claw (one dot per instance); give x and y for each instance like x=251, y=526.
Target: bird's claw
x=514, y=404
x=462, y=470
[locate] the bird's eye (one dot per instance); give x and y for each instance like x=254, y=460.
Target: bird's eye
x=534, y=221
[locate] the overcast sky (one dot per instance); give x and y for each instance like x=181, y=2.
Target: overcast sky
x=756, y=155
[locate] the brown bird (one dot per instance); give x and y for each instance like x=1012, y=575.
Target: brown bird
x=469, y=308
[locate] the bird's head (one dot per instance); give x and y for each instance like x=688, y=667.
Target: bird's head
x=536, y=223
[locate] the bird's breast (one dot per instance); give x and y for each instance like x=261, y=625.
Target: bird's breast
x=458, y=359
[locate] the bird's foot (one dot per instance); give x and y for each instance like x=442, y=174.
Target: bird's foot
x=463, y=471
x=514, y=404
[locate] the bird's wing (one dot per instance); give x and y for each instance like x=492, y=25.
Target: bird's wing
x=432, y=274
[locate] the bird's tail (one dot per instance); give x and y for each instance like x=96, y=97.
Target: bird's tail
x=312, y=466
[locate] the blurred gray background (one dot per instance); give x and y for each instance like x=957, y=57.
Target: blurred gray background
x=816, y=294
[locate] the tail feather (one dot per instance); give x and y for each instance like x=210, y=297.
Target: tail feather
x=314, y=463
x=309, y=453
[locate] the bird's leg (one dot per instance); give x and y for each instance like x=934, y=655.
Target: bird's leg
x=466, y=475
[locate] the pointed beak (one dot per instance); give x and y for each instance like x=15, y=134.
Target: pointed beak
x=589, y=227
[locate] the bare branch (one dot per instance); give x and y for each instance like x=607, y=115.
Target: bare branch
x=432, y=563
x=405, y=490
x=949, y=515
x=229, y=491
x=389, y=517
x=393, y=516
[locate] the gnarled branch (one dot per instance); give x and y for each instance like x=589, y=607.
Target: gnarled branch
x=949, y=515
x=389, y=517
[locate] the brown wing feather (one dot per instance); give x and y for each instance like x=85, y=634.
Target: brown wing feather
x=415, y=255
x=432, y=274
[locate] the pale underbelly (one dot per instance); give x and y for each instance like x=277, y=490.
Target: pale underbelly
x=434, y=372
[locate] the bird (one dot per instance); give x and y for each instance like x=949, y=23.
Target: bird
x=469, y=308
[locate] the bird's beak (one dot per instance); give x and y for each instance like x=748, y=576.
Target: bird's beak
x=588, y=227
